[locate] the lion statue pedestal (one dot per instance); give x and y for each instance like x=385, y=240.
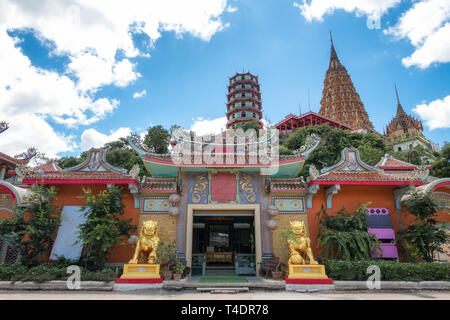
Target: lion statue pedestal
x=301, y=263
x=146, y=247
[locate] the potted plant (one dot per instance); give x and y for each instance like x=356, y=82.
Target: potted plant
x=179, y=269
x=277, y=274
x=166, y=256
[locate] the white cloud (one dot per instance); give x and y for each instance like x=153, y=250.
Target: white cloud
x=316, y=9
x=231, y=9
x=91, y=138
x=27, y=130
x=436, y=114
x=94, y=72
x=215, y=126
x=141, y=94
x=90, y=34
x=427, y=26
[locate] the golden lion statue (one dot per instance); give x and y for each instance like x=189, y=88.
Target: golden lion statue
x=300, y=250
x=147, y=244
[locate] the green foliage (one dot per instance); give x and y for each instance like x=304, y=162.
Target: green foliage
x=409, y=252
x=167, y=254
x=68, y=162
x=390, y=270
x=104, y=228
x=283, y=150
x=120, y=154
x=345, y=236
x=423, y=233
x=333, y=140
x=157, y=139
x=32, y=230
x=441, y=164
x=249, y=125
x=50, y=272
x=179, y=267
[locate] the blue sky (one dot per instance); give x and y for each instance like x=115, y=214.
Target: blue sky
x=185, y=72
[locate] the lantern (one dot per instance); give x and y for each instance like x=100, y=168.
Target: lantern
x=272, y=211
x=174, y=199
x=132, y=239
x=174, y=211
x=272, y=224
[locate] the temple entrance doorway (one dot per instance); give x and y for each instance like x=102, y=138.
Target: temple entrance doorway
x=223, y=244
x=221, y=231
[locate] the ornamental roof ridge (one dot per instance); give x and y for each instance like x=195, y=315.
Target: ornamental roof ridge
x=384, y=162
x=349, y=163
x=96, y=162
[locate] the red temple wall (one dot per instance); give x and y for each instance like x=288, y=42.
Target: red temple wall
x=350, y=196
x=70, y=195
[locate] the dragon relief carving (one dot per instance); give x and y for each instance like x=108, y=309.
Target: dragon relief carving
x=247, y=187
x=199, y=188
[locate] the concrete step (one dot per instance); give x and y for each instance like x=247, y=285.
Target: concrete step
x=224, y=289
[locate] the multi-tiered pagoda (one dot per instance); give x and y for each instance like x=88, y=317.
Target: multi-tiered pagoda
x=243, y=100
x=340, y=101
x=405, y=132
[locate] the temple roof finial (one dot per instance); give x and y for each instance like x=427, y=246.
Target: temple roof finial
x=399, y=106
x=334, y=60
x=396, y=93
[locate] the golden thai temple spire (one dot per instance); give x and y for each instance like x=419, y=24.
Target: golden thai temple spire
x=340, y=101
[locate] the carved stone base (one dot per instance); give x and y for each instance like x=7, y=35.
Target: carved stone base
x=140, y=271
x=306, y=271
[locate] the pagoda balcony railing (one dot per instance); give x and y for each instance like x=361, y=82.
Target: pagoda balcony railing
x=241, y=82
x=237, y=90
x=240, y=99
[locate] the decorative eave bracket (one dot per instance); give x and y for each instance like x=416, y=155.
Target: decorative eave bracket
x=398, y=194
x=311, y=191
x=134, y=190
x=330, y=192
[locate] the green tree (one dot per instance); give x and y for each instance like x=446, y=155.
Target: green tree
x=441, y=165
x=32, y=230
x=120, y=154
x=67, y=162
x=332, y=141
x=344, y=236
x=157, y=139
x=424, y=233
x=104, y=227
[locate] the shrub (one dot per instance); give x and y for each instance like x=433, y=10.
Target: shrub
x=345, y=236
x=424, y=234
x=104, y=227
x=390, y=270
x=32, y=230
x=50, y=272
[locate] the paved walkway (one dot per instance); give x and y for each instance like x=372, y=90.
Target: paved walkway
x=250, y=279
x=146, y=295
